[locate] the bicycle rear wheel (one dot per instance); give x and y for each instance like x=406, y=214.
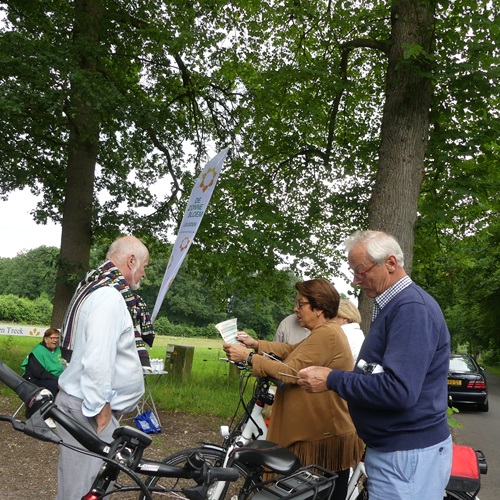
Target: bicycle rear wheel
x=212, y=457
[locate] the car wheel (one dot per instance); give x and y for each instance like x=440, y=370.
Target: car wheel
x=484, y=406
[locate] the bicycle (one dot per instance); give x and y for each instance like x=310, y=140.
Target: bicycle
x=212, y=469
x=124, y=455
x=245, y=448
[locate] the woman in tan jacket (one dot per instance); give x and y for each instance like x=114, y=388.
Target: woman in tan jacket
x=316, y=427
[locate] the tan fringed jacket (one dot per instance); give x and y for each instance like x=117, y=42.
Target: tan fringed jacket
x=316, y=427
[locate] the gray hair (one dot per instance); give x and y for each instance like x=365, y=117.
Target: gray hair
x=379, y=246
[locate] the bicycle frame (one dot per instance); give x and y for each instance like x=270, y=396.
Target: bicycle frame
x=250, y=427
x=241, y=449
x=357, y=474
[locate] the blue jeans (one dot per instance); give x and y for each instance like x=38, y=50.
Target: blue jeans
x=409, y=474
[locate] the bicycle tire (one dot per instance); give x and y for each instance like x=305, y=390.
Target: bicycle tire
x=459, y=495
x=212, y=457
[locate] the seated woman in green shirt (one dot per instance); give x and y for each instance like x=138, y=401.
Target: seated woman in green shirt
x=43, y=365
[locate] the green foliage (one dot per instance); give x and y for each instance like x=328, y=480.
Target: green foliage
x=190, y=299
x=297, y=90
x=466, y=282
x=13, y=350
x=25, y=311
x=494, y=368
x=457, y=235
x=42, y=309
x=453, y=422
x=164, y=327
x=30, y=274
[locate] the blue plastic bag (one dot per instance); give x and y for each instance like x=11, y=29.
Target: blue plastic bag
x=147, y=422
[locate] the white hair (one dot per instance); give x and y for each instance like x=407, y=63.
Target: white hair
x=378, y=245
x=125, y=246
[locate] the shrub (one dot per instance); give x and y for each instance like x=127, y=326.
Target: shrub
x=42, y=310
x=16, y=309
x=163, y=327
x=25, y=311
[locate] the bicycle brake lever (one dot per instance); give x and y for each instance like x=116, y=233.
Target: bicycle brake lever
x=16, y=424
x=36, y=427
x=240, y=364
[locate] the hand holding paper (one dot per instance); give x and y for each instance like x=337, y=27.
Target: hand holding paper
x=247, y=340
x=236, y=352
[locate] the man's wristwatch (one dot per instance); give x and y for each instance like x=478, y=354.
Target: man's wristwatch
x=249, y=359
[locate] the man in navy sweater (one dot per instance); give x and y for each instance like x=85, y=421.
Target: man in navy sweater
x=399, y=409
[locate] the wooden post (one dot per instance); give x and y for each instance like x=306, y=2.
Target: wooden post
x=234, y=371
x=179, y=361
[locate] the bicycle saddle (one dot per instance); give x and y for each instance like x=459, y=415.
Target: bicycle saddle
x=267, y=454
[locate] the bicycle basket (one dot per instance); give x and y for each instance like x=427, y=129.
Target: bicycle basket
x=147, y=422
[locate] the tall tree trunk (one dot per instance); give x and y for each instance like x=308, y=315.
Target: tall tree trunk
x=76, y=237
x=405, y=128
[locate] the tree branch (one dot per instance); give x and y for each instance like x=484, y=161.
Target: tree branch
x=367, y=43
x=346, y=49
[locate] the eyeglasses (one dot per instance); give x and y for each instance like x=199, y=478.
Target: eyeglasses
x=53, y=338
x=360, y=275
x=299, y=305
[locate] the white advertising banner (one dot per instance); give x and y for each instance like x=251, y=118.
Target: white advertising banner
x=198, y=201
x=22, y=330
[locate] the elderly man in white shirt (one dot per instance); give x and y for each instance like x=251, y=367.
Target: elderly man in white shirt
x=105, y=375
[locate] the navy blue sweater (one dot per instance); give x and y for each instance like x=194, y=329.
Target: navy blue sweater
x=404, y=407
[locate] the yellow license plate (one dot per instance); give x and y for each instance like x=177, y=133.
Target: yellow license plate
x=454, y=382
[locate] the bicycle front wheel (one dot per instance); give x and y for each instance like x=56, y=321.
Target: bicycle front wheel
x=170, y=487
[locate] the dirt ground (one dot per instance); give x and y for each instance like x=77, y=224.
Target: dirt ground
x=28, y=467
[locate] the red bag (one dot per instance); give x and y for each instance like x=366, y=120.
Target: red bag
x=465, y=474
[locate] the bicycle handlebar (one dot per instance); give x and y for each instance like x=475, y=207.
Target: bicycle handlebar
x=243, y=366
x=39, y=399
x=278, y=383
x=152, y=468
x=25, y=389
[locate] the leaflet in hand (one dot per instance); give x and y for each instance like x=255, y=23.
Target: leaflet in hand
x=228, y=330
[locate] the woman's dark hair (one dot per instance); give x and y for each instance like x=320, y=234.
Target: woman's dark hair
x=321, y=294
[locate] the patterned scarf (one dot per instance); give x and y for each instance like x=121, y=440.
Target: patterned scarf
x=109, y=275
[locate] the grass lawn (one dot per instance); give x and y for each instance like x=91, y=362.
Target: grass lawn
x=211, y=388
